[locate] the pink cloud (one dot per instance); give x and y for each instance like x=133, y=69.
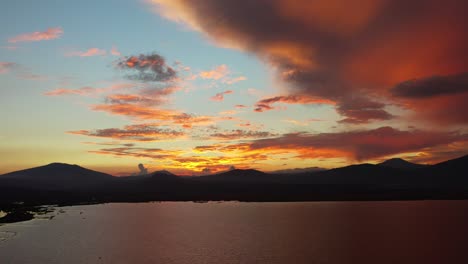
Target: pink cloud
x=87, y=90
x=50, y=33
x=235, y=80
x=9, y=47
x=114, y=51
x=88, y=53
x=6, y=66
x=220, y=96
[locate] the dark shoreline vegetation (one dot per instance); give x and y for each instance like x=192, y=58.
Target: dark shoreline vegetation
x=23, y=192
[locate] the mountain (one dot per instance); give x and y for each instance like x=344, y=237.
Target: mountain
x=164, y=172
x=363, y=174
x=236, y=175
x=55, y=176
x=298, y=170
x=401, y=164
x=451, y=168
x=59, y=183
x=163, y=176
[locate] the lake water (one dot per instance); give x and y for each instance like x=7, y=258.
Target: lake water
x=232, y=232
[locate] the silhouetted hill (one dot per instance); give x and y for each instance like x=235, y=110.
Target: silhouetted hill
x=164, y=172
x=401, y=164
x=70, y=184
x=361, y=174
x=451, y=168
x=237, y=175
x=163, y=176
x=55, y=176
x=298, y=170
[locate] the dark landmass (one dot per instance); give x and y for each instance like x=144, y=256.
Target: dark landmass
x=395, y=179
x=401, y=164
x=18, y=215
x=301, y=170
x=21, y=212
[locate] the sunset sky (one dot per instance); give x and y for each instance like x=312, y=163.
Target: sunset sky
x=197, y=87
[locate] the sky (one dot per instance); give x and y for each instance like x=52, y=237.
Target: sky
x=199, y=87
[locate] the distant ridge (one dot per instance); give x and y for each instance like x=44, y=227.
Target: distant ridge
x=298, y=170
x=57, y=176
x=401, y=164
x=163, y=172
x=451, y=168
x=59, y=183
x=236, y=175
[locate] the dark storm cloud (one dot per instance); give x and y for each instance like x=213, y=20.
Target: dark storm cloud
x=432, y=86
x=358, y=110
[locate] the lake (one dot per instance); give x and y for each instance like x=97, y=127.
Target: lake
x=234, y=232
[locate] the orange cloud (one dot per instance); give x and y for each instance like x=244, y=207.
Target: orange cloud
x=364, y=144
x=354, y=145
x=141, y=112
x=216, y=73
x=50, y=33
x=136, y=111
x=182, y=162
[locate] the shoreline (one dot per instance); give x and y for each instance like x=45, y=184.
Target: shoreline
x=22, y=212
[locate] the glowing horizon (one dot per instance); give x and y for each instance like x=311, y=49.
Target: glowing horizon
x=201, y=87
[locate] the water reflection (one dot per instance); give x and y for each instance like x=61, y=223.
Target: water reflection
x=320, y=232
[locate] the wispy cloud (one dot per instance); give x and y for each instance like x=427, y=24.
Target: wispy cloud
x=87, y=53
x=240, y=134
x=220, y=96
x=114, y=51
x=267, y=103
x=235, y=80
x=220, y=73
x=50, y=33
x=216, y=73
x=140, y=132
x=10, y=47
x=88, y=90
x=21, y=71
x=145, y=97
x=7, y=66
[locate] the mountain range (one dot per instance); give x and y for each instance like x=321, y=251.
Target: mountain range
x=393, y=179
